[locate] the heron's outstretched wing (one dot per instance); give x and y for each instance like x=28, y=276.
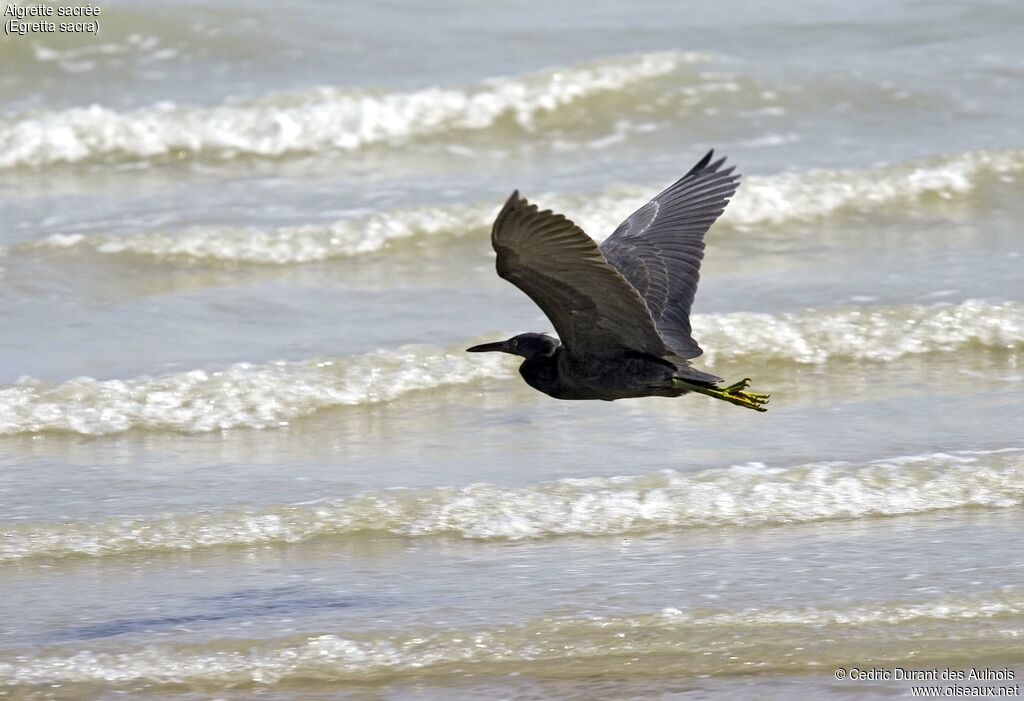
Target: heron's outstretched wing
x=660, y=246
x=594, y=310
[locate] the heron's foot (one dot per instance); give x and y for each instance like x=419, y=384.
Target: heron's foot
x=734, y=394
x=737, y=394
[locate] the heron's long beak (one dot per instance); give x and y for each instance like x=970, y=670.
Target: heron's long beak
x=501, y=346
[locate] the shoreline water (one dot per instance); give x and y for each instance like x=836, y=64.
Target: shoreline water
x=243, y=453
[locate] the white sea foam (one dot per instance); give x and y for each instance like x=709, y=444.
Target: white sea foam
x=807, y=196
x=762, y=201
x=775, y=200
x=287, y=244
x=673, y=642
x=317, y=119
x=243, y=395
x=861, y=333
x=263, y=396
x=746, y=495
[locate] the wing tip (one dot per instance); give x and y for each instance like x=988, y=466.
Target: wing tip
x=518, y=202
x=702, y=163
x=514, y=203
x=705, y=165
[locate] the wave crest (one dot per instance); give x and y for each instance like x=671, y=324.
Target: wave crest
x=747, y=495
x=243, y=395
x=249, y=395
x=321, y=118
x=770, y=201
x=861, y=333
x=784, y=198
x=284, y=245
x=673, y=642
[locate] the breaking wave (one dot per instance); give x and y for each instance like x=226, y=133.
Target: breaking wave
x=287, y=244
x=875, y=334
x=762, y=201
x=670, y=642
x=243, y=395
x=321, y=118
x=746, y=495
x=809, y=196
x=259, y=396
x=773, y=201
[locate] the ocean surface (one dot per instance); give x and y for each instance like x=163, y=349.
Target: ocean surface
x=244, y=456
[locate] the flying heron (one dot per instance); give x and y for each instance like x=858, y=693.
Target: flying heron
x=622, y=309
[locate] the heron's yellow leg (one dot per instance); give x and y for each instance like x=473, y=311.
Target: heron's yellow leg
x=742, y=385
x=734, y=394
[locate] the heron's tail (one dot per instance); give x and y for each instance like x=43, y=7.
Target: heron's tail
x=688, y=373
x=734, y=394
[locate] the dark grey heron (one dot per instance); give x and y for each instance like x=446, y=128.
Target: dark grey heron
x=622, y=309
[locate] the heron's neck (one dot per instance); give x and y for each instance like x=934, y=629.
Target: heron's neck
x=542, y=362
x=541, y=372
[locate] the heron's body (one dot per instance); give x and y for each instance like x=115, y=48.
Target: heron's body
x=621, y=310
x=562, y=376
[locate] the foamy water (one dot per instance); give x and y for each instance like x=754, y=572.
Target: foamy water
x=670, y=642
x=764, y=202
x=320, y=118
x=260, y=396
x=243, y=395
x=745, y=495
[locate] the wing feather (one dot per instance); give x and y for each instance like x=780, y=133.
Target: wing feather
x=594, y=309
x=659, y=248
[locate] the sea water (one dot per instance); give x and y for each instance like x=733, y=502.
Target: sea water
x=243, y=453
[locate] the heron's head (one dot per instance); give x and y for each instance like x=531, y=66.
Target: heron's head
x=528, y=345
